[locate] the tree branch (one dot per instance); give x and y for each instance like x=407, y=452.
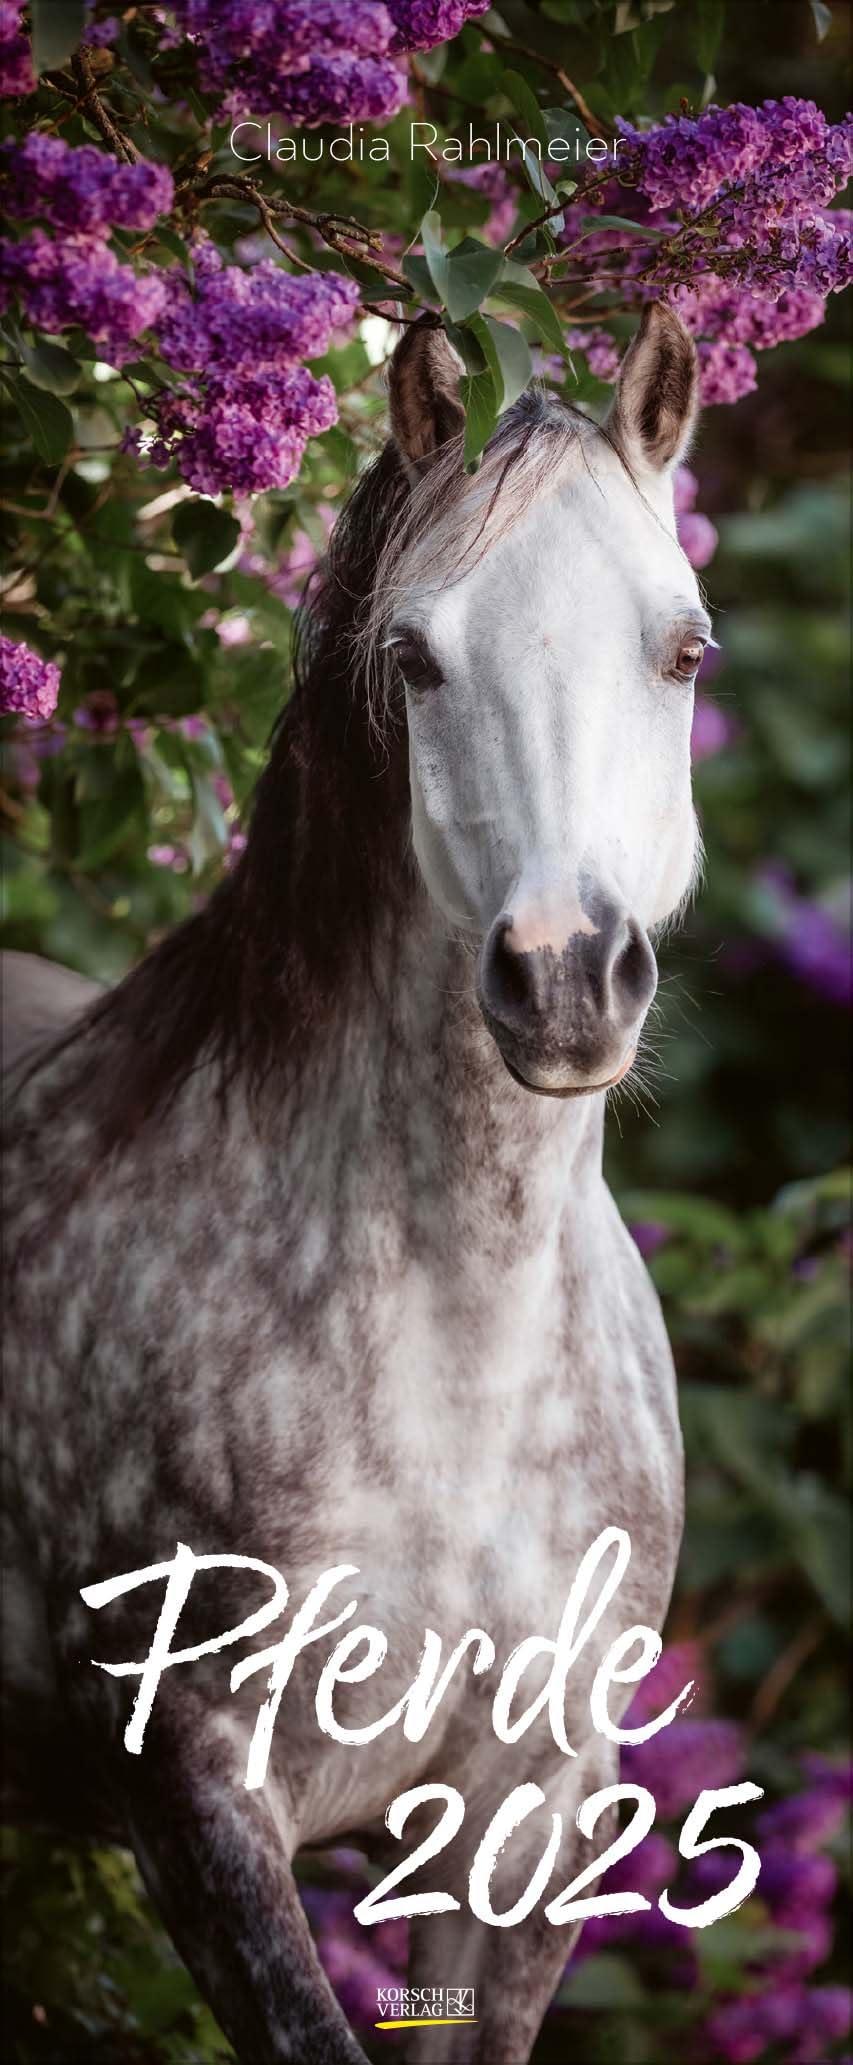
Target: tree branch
x=95, y=109
x=342, y=233
x=589, y=120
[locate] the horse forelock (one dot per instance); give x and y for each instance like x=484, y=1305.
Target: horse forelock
x=452, y=519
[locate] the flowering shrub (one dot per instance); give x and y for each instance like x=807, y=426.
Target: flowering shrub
x=314, y=61
x=191, y=352
x=27, y=683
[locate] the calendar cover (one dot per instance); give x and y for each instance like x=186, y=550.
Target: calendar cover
x=425, y=988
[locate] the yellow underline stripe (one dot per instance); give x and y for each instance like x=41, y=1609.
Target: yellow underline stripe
x=423, y=2021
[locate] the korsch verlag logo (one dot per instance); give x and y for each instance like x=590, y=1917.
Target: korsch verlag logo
x=413, y=2007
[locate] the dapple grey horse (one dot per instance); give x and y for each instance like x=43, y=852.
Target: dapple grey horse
x=311, y=1258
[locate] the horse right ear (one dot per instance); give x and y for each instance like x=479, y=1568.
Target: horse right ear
x=423, y=379
x=654, y=414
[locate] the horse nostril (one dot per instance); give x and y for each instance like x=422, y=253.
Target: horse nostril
x=634, y=974
x=507, y=986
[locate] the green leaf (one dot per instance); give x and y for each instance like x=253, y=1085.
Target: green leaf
x=507, y=354
x=563, y=127
x=168, y=682
x=707, y=32
x=50, y=367
x=435, y=253
x=535, y=305
x=172, y=242
x=153, y=371
x=465, y=340
x=209, y=836
x=523, y=99
x=106, y=823
x=699, y=1218
x=822, y=19
x=481, y=414
x=417, y=272
x=638, y=229
x=58, y=27
x=471, y=271
x=49, y=423
x=821, y=1525
x=205, y=535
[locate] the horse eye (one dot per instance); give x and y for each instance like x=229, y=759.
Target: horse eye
x=689, y=658
x=417, y=666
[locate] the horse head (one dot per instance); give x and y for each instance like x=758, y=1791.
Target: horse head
x=545, y=630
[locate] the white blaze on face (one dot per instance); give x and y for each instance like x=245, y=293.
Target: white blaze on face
x=555, y=753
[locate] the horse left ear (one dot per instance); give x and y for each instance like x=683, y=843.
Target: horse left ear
x=657, y=400
x=423, y=382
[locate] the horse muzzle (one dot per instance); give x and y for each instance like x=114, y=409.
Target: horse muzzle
x=566, y=1020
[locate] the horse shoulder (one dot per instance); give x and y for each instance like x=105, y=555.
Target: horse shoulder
x=38, y=1000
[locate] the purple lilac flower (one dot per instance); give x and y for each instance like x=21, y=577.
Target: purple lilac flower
x=686, y=162
x=770, y=248
x=342, y=89
x=251, y=443
x=103, y=32
x=99, y=713
x=828, y=1776
x=311, y=61
x=492, y=180
x=256, y=316
x=29, y=685
x=165, y=856
x=811, y=942
x=828, y=2019
x=649, y=1235
x=741, y=2030
x=714, y=308
x=794, y=1887
x=84, y=189
x=809, y=1819
x=243, y=418
x=815, y=1936
x=728, y=371
x=712, y=729
x=314, y=61
x=16, y=70
x=82, y=281
x=685, y=488
x=649, y=1931
x=420, y=24
x=599, y=349
x=686, y=1757
x=289, y=578
x=680, y=1665
x=697, y=538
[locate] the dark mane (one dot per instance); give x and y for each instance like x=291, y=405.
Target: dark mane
x=240, y=982
x=243, y=983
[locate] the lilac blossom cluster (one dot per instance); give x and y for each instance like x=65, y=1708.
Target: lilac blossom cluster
x=84, y=189
x=246, y=406
x=16, y=69
x=797, y=1886
x=81, y=281
x=599, y=350
x=313, y=61
x=742, y=239
x=76, y=278
x=808, y=938
x=29, y=685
